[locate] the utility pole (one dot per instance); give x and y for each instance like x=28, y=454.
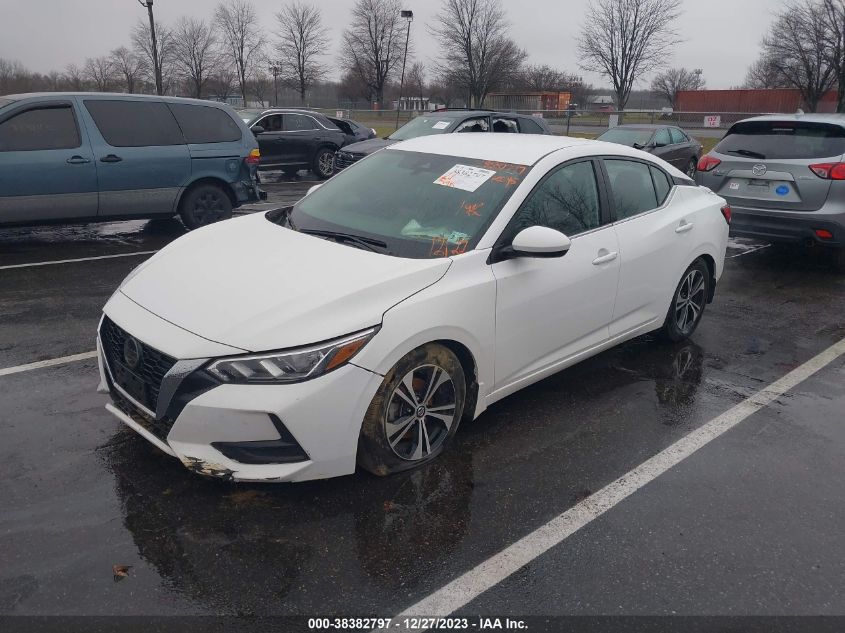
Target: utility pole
x=156, y=61
x=408, y=15
x=276, y=70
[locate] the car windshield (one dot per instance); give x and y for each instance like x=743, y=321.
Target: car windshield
x=626, y=136
x=422, y=126
x=413, y=204
x=248, y=115
x=769, y=140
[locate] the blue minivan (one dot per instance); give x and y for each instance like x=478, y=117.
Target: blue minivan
x=83, y=157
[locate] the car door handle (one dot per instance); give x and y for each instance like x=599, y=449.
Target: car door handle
x=77, y=160
x=603, y=259
x=111, y=158
x=684, y=227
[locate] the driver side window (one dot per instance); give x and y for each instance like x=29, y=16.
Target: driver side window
x=272, y=123
x=567, y=201
x=662, y=137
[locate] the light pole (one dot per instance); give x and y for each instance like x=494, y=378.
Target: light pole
x=156, y=64
x=408, y=15
x=276, y=70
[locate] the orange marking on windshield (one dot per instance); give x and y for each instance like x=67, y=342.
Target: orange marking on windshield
x=439, y=247
x=507, y=181
x=472, y=208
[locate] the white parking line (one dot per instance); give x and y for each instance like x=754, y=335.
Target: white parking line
x=52, y=362
x=494, y=570
x=80, y=259
x=752, y=250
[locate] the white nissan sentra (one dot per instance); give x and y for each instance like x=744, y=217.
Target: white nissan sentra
x=403, y=296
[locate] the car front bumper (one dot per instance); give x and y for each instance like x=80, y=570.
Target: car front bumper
x=288, y=432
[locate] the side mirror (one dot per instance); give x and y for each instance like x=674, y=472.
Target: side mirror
x=313, y=189
x=540, y=241
x=257, y=129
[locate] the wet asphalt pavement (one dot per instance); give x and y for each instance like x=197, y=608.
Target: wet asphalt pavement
x=749, y=525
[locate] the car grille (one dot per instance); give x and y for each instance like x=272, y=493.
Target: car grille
x=143, y=381
x=343, y=159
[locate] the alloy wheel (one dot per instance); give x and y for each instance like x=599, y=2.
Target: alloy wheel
x=689, y=304
x=420, y=412
x=326, y=163
x=691, y=169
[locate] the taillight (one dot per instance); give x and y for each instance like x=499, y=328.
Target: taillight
x=708, y=163
x=254, y=158
x=829, y=171
x=726, y=213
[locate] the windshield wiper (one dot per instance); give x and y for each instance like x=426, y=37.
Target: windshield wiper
x=747, y=152
x=365, y=242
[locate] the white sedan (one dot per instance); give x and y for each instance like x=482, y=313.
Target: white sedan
x=407, y=294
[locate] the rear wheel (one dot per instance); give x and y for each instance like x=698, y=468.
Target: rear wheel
x=203, y=205
x=323, y=163
x=688, y=302
x=692, y=168
x=415, y=412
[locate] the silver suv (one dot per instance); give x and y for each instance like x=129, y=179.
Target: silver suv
x=784, y=178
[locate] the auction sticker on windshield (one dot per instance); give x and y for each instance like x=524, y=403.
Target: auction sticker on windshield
x=440, y=125
x=465, y=177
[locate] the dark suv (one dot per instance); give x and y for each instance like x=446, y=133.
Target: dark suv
x=291, y=140
x=445, y=122
x=87, y=157
x=784, y=177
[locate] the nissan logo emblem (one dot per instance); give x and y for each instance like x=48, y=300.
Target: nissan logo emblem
x=758, y=170
x=132, y=353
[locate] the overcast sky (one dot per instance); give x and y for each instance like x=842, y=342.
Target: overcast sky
x=721, y=36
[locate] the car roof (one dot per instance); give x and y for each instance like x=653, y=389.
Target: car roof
x=521, y=149
x=113, y=95
x=836, y=119
x=287, y=111
x=641, y=126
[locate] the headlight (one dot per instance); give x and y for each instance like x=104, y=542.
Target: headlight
x=293, y=365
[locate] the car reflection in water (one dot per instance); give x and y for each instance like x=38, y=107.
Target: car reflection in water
x=252, y=549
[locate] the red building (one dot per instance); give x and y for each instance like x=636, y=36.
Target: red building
x=781, y=100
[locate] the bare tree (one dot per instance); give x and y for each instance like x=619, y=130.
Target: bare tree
x=242, y=37
x=795, y=47
x=373, y=43
x=476, y=51
x=835, y=46
x=669, y=83
x=545, y=78
x=74, y=77
x=416, y=79
x=222, y=82
x=128, y=66
x=99, y=71
x=764, y=75
x=626, y=39
x=302, y=42
x=262, y=86
x=194, y=52
x=142, y=44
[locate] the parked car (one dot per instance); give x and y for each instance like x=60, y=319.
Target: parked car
x=441, y=275
x=668, y=142
x=352, y=130
x=785, y=177
x=291, y=140
x=445, y=122
x=86, y=157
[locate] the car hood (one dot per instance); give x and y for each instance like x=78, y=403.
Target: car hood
x=368, y=147
x=254, y=285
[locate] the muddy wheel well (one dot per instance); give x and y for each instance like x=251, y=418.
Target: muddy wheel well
x=470, y=371
x=711, y=266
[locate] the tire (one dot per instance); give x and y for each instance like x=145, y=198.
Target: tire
x=692, y=168
x=323, y=166
x=400, y=431
x=203, y=205
x=685, y=311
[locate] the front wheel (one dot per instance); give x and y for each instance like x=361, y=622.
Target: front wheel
x=203, y=205
x=415, y=412
x=692, y=168
x=688, y=302
x=323, y=163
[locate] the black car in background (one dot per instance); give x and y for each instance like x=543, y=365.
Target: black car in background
x=352, y=130
x=445, y=122
x=291, y=140
x=668, y=142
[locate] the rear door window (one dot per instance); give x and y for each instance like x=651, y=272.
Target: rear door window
x=769, y=140
x=528, y=126
x=135, y=123
x=205, y=124
x=40, y=129
x=505, y=126
x=632, y=187
x=299, y=123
